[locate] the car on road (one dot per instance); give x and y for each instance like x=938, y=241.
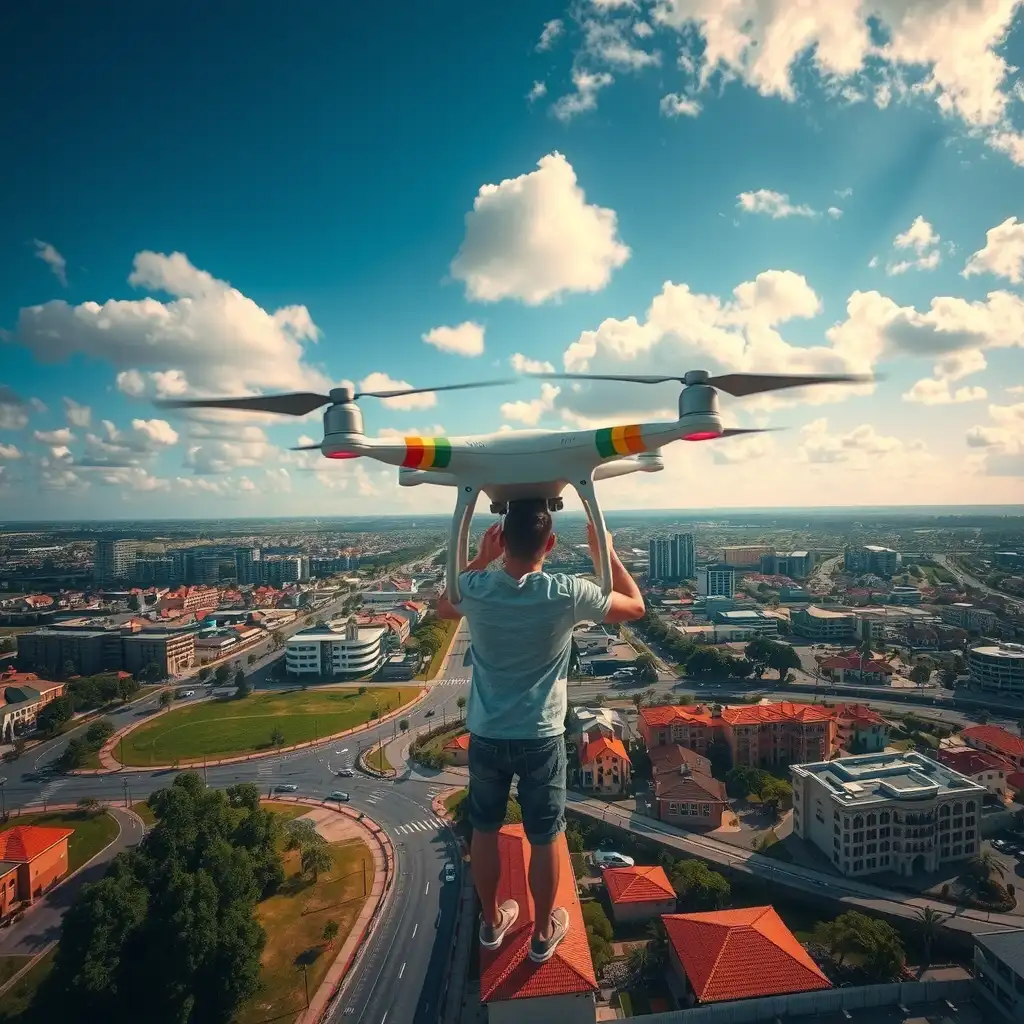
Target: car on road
x=430, y=713
x=449, y=872
x=341, y=797
x=346, y=773
x=612, y=859
x=188, y=693
x=285, y=787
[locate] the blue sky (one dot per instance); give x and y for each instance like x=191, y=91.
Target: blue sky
x=207, y=204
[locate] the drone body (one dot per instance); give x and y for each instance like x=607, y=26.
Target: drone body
x=512, y=465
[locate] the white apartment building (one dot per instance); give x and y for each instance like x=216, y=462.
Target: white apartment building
x=327, y=651
x=823, y=624
x=999, y=970
x=716, y=581
x=997, y=667
x=887, y=812
x=968, y=617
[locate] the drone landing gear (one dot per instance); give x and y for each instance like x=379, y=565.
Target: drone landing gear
x=500, y=508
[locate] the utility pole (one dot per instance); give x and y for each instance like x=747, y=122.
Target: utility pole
x=305, y=982
x=206, y=780
x=126, y=801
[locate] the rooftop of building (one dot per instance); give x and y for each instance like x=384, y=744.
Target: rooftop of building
x=1008, y=946
x=1003, y=741
x=602, y=746
x=740, y=714
x=741, y=954
x=337, y=635
x=640, y=884
x=1011, y=652
x=968, y=761
x=672, y=756
x=460, y=742
x=24, y=843
x=865, y=779
x=508, y=973
x=859, y=713
x=744, y=615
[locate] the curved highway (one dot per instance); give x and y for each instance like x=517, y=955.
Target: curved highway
x=400, y=974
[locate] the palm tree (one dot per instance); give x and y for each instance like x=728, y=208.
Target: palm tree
x=316, y=859
x=928, y=922
x=461, y=704
x=986, y=864
x=640, y=962
x=649, y=695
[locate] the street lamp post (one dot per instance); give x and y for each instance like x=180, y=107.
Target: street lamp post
x=127, y=798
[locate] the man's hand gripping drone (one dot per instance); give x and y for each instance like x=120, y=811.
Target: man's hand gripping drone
x=523, y=463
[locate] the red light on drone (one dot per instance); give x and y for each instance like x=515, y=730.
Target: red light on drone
x=343, y=455
x=701, y=435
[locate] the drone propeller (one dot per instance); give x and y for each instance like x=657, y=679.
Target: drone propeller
x=299, y=403
x=305, y=448
x=738, y=385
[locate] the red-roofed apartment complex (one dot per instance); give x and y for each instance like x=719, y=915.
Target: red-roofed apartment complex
x=860, y=730
x=639, y=893
x=987, y=769
x=457, y=748
x=996, y=740
x=852, y=666
x=22, y=694
x=757, y=734
x=516, y=989
x=738, y=954
x=604, y=766
x=32, y=859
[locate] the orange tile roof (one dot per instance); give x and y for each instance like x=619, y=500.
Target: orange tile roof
x=677, y=714
x=603, y=745
x=741, y=954
x=458, y=742
x=972, y=762
x=860, y=713
x=783, y=711
x=995, y=736
x=509, y=973
x=638, y=885
x=24, y=843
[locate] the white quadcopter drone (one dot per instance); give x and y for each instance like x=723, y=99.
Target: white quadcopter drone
x=520, y=464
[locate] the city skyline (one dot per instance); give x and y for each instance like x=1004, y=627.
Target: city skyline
x=714, y=191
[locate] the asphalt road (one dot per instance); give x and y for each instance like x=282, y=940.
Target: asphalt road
x=972, y=581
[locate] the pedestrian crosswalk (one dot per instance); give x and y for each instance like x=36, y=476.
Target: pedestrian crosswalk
x=452, y=682
x=376, y=796
x=425, y=825
x=268, y=767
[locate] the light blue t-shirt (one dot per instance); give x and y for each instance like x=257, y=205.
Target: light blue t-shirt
x=521, y=633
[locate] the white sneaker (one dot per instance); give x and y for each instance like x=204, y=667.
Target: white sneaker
x=508, y=914
x=542, y=952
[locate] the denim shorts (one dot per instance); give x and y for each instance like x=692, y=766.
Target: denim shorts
x=540, y=766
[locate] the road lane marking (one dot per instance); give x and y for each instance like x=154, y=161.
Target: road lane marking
x=427, y=889
x=401, y=971
x=414, y=929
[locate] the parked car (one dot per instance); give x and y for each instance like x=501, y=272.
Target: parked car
x=449, y=872
x=612, y=859
x=343, y=798
x=346, y=773
x=285, y=787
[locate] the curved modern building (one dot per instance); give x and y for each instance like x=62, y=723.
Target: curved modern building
x=325, y=651
x=997, y=667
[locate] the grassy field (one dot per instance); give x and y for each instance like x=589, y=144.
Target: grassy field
x=294, y=920
x=379, y=760
x=145, y=812
x=216, y=729
x=92, y=831
x=15, y=1001
x=286, y=811
x=10, y=965
x=451, y=625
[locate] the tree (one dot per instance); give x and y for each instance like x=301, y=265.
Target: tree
x=921, y=673
x=647, y=667
x=984, y=865
x=126, y=687
x=707, y=661
x=89, y=804
x=300, y=834
x=315, y=859
x=277, y=737
x=720, y=756
x=68, y=669
x=640, y=963
x=222, y=675
x=573, y=837
x=875, y=942
x=461, y=704
x=98, y=733
x=152, y=672
x=204, y=674
x=599, y=934
x=331, y=932
x=758, y=653
x=403, y=724
x=782, y=658
x=776, y=794
x=166, y=698
x=241, y=684
x=928, y=923
x=172, y=925
x=698, y=887
x=54, y=715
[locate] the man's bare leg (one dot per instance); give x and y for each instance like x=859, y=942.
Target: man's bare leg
x=544, y=874
x=486, y=873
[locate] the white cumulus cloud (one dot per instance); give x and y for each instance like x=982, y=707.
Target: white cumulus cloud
x=465, y=339
x=53, y=259
x=774, y=204
x=378, y=381
x=583, y=98
x=674, y=104
x=530, y=412
x=78, y=415
x=535, y=237
x=1002, y=254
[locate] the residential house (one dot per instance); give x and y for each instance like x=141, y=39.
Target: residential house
x=727, y=955
x=981, y=766
x=854, y=667
x=33, y=858
x=859, y=729
x=604, y=766
x=457, y=748
x=996, y=740
x=639, y=893
x=683, y=792
x=513, y=987
x=999, y=970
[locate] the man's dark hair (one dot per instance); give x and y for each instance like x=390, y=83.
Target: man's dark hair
x=527, y=527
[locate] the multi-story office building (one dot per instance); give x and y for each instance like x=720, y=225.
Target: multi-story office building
x=326, y=651
x=48, y=651
x=154, y=571
x=996, y=667
x=797, y=565
x=246, y=566
x=823, y=624
x=716, y=581
x=174, y=650
x=746, y=555
x=967, y=616
x=278, y=570
x=900, y=812
x=672, y=558
x=114, y=561
x=870, y=558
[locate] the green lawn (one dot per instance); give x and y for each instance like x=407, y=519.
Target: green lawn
x=92, y=831
x=285, y=811
x=10, y=965
x=379, y=760
x=451, y=625
x=145, y=812
x=294, y=920
x=15, y=1001
x=224, y=728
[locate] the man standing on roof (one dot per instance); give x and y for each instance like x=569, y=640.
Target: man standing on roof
x=521, y=620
